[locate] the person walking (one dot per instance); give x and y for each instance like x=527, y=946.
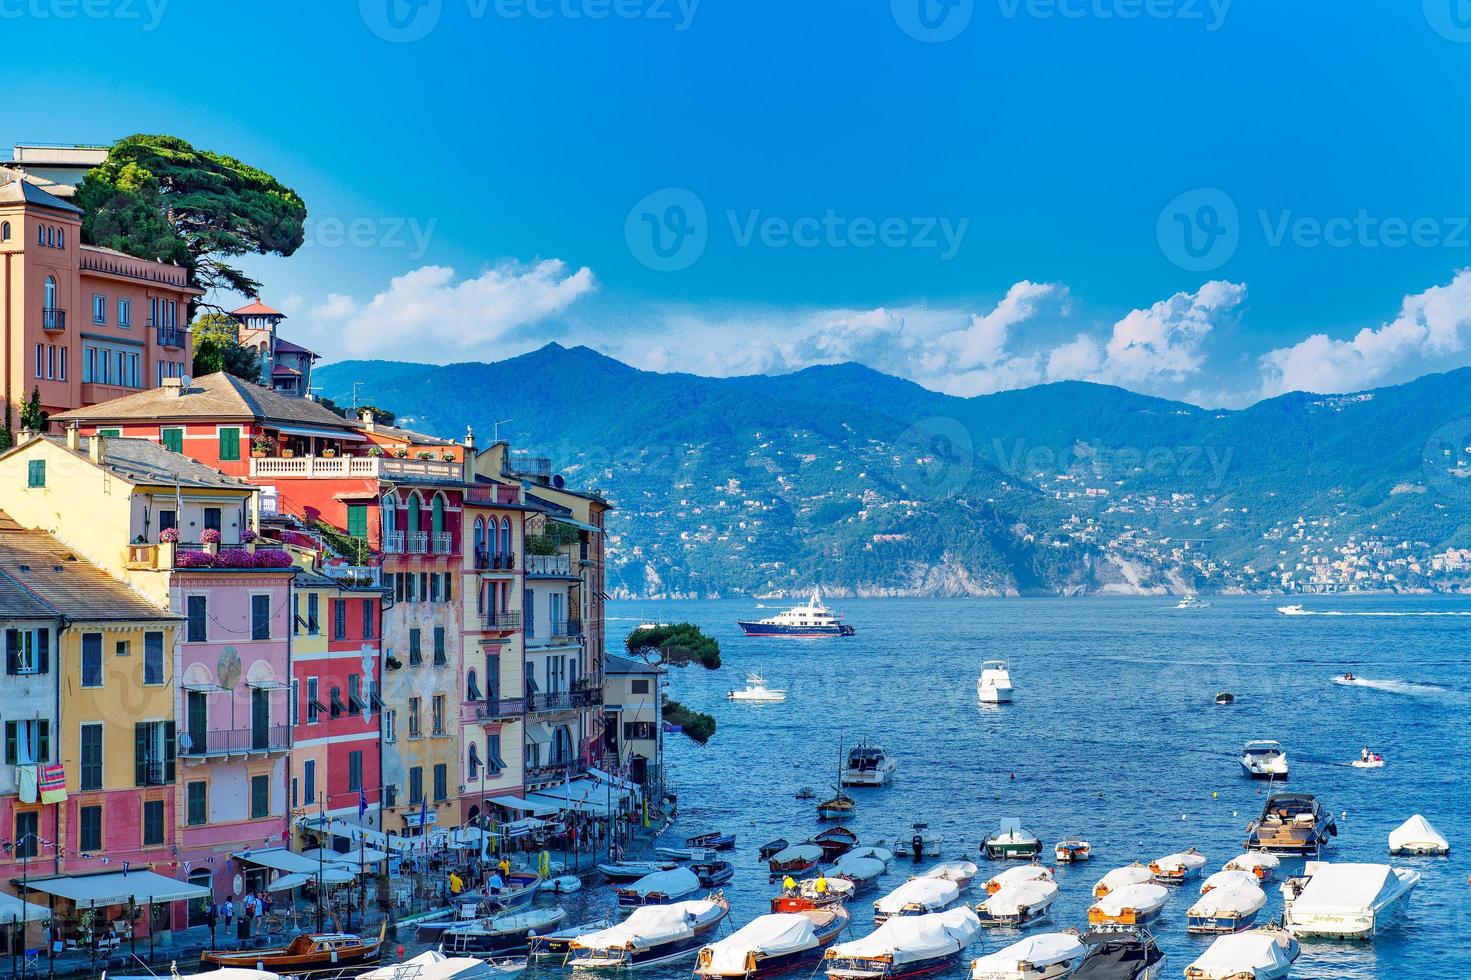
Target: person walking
x=211, y=919
x=229, y=911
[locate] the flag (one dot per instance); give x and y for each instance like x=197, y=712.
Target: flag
x=362, y=802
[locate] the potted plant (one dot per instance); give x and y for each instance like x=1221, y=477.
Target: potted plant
x=401, y=453
x=168, y=539
x=260, y=447
x=329, y=454
x=424, y=454
x=249, y=539
x=376, y=452
x=211, y=540
x=448, y=456
x=288, y=453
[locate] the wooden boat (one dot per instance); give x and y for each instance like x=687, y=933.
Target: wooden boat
x=795, y=860
x=863, y=872
x=771, y=848
x=771, y=944
x=1130, y=905
x=308, y=951
x=808, y=895
x=712, y=873
x=839, y=807
x=650, y=936
x=1292, y=823
x=835, y=842
x=713, y=841
x=633, y=870
x=659, y=888
x=498, y=934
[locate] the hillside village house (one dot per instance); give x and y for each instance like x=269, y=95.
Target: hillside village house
x=633, y=698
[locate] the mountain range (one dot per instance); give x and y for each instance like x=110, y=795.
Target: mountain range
x=866, y=483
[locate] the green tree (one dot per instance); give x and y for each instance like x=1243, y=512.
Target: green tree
x=7, y=434
x=222, y=328
x=382, y=416
x=32, y=417
x=676, y=645
x=157, y=197
x=211, y=356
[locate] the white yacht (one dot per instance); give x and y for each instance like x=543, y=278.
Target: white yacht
x=1345, y=901
x=868, y=765
x=812, y=619
x=994, y=684
x=1264, y=759
x=756, y=690
x=1191, y=601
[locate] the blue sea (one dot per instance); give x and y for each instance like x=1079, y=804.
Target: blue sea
x=1113, y=735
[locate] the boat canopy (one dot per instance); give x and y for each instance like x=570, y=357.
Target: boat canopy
x=1041, y=950
x=766, y=935
x=649, y=926
x=877, y=853
x=928, y=893
x=1133, y=874
x=798, y=852
x=1242, y=954
x=1231, y=876
x=910, y=938
x=1011, y=899
x=861, y=868
x=1022, y=872
x=1344, y=889
x=677, y=881
x=432, y=965
x=1140, y=896
x=952, y=871
x=1416, y=832
x=1241, y=898
x=1252, y=860
x=1181, y=861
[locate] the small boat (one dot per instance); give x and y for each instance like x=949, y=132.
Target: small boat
x=1225, y=697
x=795, y=860
x=1131, y=874
x=961, y=872
x=1345, y=901
x=562, y=885
x=434, y=965
x=620, y=871
x=1259, y=863
x=308, y=951
x=1295, y=609
x=1012, y=876
x=1071, y=849
x=1191, y=601
x=868, y=765
x=911, y=946
x=839, y=807
x=1018, y=902
x=682, y=854
x=465, y=909
x=498, y=934
x=771, y=848
x=1131, y=905
x=877, y=853
x=659, y=888
x=1264, y=759
x=835, y=842
x=1012, y=841
x=806, y=793
x=714, y=841
x=713, y=873
x=769, y=944
x=556, y=945
x=863, y=872
x=994, y=684
x=756, y=690
x=1228, y=876
x=1416, y=836
x=1175, y=869
x=651, y=935
x=1292, y=823
x=1120, y=954
x=1375, y=761
x=922, y=842
x=1261, y=954
x=810, y=620
x=1227, y=908
x=1040, y=957
x=814, y=893
x=917, y=896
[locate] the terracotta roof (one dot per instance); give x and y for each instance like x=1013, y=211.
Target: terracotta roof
x=290, y=348
x=20, y=190
x=257, y=308
x=214, y=396
x=143, y=462
x=407, y=435
x=41, y=577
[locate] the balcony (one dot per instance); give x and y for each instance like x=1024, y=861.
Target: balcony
x=553, y=772
x=152, y=773
x=501, y=621
x=549, y=566
x=565, y=629
x=418, y=543
x=442, y=542
x=491, y=710
x=494, y=561
x=562, y=700
x=53, y=319
x=172, y=337
x=340, y=467
x=393, y=542
x=240, y=741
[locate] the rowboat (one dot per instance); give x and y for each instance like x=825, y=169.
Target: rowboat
x=917, y=896
x=308, y=951
x=795, y=860
x=712, y=873
x=862, y=872
x=1018, y=903
x=1133, y=874
x=633, y=870
x=1129, y=905
x=1231, y=907
x=1071, y=849
x=910, y=946
x=835, y=842
x=772, y=943
x=771, y=848
x=838, y=807
x=1174, y=869
x=659, y=888
x=685, y=853
x=1026, y=872
x=877, y=853
x=809, y=894
x=652, y=935
x=498, y=934
x=713, y=841
x=1040, y=957
x=1228, y=877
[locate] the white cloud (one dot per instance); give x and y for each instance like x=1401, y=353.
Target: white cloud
x=984, y=341
x=1430, y=325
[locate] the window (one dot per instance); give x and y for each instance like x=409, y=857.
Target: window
x=153, y=753
x=197, y=808
x=260, y=797
x=89, y=834
x=336, y=702
x=28, y=651
x=313, y=613
x=99, y=308
x=229, y=443
x=50, y=292
x=354, y=694
x=196, y=611
x=441, y=782
x=339, y=619
x=172, y=439
x=638, y=687
x=295, y=703
x=472, y=686
x=367, y=619
x=472, y=764
x=437, y=714
x=309, y=780
x=152, y=823
x=125, y=313
x=27, y=834
x=153, y=657
x=416, y=651
x=27, y=742
x=433, y=586
x=91, y=659
x=441, y=656
x=40, y=360
x=414, y=717
x=36, y=473
x=212, y=519
x=91, y=770
x=390, y=795
x=354, y=771
x=416, y=785
x=357, y=520
x=313, y=703
x=260, y=617
x=122, y=648
x=168, y=519
x=638, y=729
x=390, y=726
x=4, y=231
x=493, y=760
x=61, y=364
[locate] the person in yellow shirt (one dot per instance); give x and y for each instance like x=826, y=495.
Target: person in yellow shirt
x=820, y=885
x=789, y=885
x=456, y=883
x=505, y=868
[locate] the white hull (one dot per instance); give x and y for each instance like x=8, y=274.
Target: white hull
x=871, y=777
x=1362, y=924
x=757, y=695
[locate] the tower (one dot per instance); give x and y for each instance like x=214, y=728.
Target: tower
x=258, y=323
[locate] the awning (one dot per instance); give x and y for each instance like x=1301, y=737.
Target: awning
x=579, y=525
x=540, y=734
x=277, y=859
x=268, y=685
x=332, y=874
x=352, y=859
x=13, y=909
x=584, y=795
x=306, y=430
x=204, y=688
x=523, y=806
x=615, y=781
x=116, y=888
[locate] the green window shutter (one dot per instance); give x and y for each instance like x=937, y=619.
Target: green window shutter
x=36, y=473
x=229, y=444
x=110, y=433
x=357, y=520
x=140, y=754
x=173, y=440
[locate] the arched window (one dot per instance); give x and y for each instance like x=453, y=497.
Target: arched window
x=50, y=292
x=480, y=548
x=390, y=513
x=61, y=238
x=411, y=517
x=4, y=231
x=505, y=547
x=436, y=518
x=472, y=685
x=51, y=236
x=474, y=765
x=563, y=751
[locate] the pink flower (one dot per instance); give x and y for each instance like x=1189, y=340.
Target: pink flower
x=210, y=536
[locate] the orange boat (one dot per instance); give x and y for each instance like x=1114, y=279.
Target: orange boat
x=308, y=951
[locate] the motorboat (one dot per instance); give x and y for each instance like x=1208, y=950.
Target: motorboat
x=1071, y=849
x=498, y=934
x=770, y=944
x=1120, y=954
x=835, y=842
x=683, y=854
x=1011, y=876
x=713, y=873
x=1258, y=863
x=651, y=935
x=1228, y=876
x=621, y=871
x=795, y=860
x=1225, y=697
x=814, y=893
x=994, y=684
x=555, y=946
x=1191, y=601
x=434, y=965
x=1132, y=874
x=909, y=946
x=838, y=807
x=1039, y=957
x=772, y=848
x=562, y=885
x=756, y=690
x=877, y=853
x=921, y=842
x=917, y=896
x=1017, y=903
x=1372, y=760
x=1261, y=954
x=1345, y=901
x=1416, y=836
x=308, y=951
x=810, y=620
x=1227, y=908
x=868, y=765
x=659, y=888
x=1264, y=759
x=714, y=841
x=961, y=872
x=863, y=872
x=805, y=793
x=1012, y=841
x=1295, y=609
x=1292, y=823
x=1130, y=905
x=1175, y=869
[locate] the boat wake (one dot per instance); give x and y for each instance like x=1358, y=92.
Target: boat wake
x=1396, y=687
x=1300, y=611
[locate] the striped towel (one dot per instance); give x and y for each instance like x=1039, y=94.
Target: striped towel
x=53, y=782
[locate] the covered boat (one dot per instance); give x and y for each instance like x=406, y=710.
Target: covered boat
x=433, y=965
x=1416, y=836
x=498, y=934
x=1173, y=869
x=660, y=888
x=555, y=945
x=771, y=943
x=1262, y=954
x=1132, y=874
x=795, y=860
x=1071, y=849
x=309, y=951
x=1292, y=823
x=1012, y=840
x=835, y=842
x=1027, y=872
x=917, y=896
x=1258, y=863
x=1229, y=908
x=814, y=893
x=1129, y=905
x=1228, y=877
x=861, y=871
x=1351, y=901
x=905, y=946
x=961, y=872
x=1040, y=957
x=1120, y=954
x=1016, y=903
x=619, y=871
x=877, y=853
x=650, y=935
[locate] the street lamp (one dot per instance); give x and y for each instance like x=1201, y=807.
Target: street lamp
x=17, y=848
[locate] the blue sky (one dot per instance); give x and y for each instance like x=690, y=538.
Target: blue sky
x=1207, y=199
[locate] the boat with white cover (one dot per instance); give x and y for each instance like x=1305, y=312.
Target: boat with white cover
x=769, y=944
x=1130, y=905
x=868, y=765
x=994, y=684
x=433, y=965
x=962, y=872
x=1231, y=907
x=1174, y=869
x=660, y=888
x=1258, y=863
x=681, y=854
x=921, y=842
x=756, y=690
x=497, y=934
x=877, y=853
x=1261, y=954
x=1416, y=836
x=1131, y=874
x=1017, y=903
x=1040, y=957
x=1025, y=872
x=795, y=860
x=1344, y=900
x=650, y=935
x=862, y=872
x=1011, y=841
x=555, y=945
x=905, y=946
x=1120, y=954
x=618, y=871
x=917, y=896
x=1229, y=876
x=1264, y=758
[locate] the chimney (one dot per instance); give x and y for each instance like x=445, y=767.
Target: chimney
x=74, y=436
x=97, y=449
x=172, y=387
x=469, y=440
x=366, y=417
